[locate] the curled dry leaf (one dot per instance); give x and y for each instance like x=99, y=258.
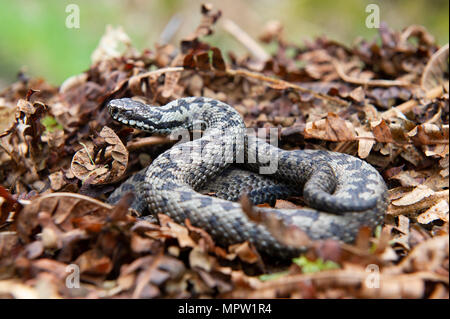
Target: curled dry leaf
x=436, y=70
x=84, y=167
x=428, y=178
x=404, y=232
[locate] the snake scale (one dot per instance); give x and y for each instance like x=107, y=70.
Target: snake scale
x=343, y=192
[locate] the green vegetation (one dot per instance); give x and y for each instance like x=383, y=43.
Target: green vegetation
x=51, y=124
x=309, y=266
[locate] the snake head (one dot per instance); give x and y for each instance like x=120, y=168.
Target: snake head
x=131, y=113
x=122, y=110
x=142, y=116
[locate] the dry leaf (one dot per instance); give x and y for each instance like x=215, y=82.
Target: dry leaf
x=333, y=128
x=434, y=72
x=84, y=167
x=437, y=211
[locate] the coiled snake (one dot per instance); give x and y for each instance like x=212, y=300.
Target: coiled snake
x=344, y=192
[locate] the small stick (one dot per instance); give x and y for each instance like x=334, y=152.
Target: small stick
x=349, y=79
x=157, y=72
x=170, y=29
x=285, y=84
x=255, y=49
x=143, y=142
x=409, y=105
x=148, y=141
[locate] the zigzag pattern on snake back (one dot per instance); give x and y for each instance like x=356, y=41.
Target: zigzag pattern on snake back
x=344, y=192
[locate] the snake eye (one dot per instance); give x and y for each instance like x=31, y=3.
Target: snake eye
x=129, y=113
x=114, y=112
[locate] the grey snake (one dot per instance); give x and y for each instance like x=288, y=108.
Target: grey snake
x=343, y=192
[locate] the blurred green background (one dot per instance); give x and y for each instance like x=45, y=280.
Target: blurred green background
x=33, y=35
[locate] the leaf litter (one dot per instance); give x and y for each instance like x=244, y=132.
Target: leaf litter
x=61, y=155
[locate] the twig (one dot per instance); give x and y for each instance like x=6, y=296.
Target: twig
x=284, y=84
x=170, y=29
x=157, y=72
x=143, y=142
x=349, y=79
x=409, y=105
x=255, y=49
x=147, y=141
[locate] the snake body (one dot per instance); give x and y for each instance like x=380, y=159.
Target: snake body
x=344, y=192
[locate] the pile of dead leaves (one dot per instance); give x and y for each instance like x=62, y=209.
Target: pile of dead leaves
x=61, y=155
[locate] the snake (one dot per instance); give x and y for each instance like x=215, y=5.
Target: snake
x=203, y=178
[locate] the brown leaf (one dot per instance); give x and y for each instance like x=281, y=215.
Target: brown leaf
x=151, y=272
x=205, y=240
x=217, y=60
x=365, y=143
x=434, y=72
x=57, y=180
x=286, y=234
x=333, y=128
x=63, y=207
x=246, y=252
x=170, y=84
x=140, y=244
x=201, y=259
x=357, y=94
x=7, y=205
x=363, y=238
x=431, y=134
x=52, y=266
x=7, y=119
x=437, y=211
x=83, y=164
x=93, y=262
x=381, y=132
x=179, y=232
x=420, y=198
